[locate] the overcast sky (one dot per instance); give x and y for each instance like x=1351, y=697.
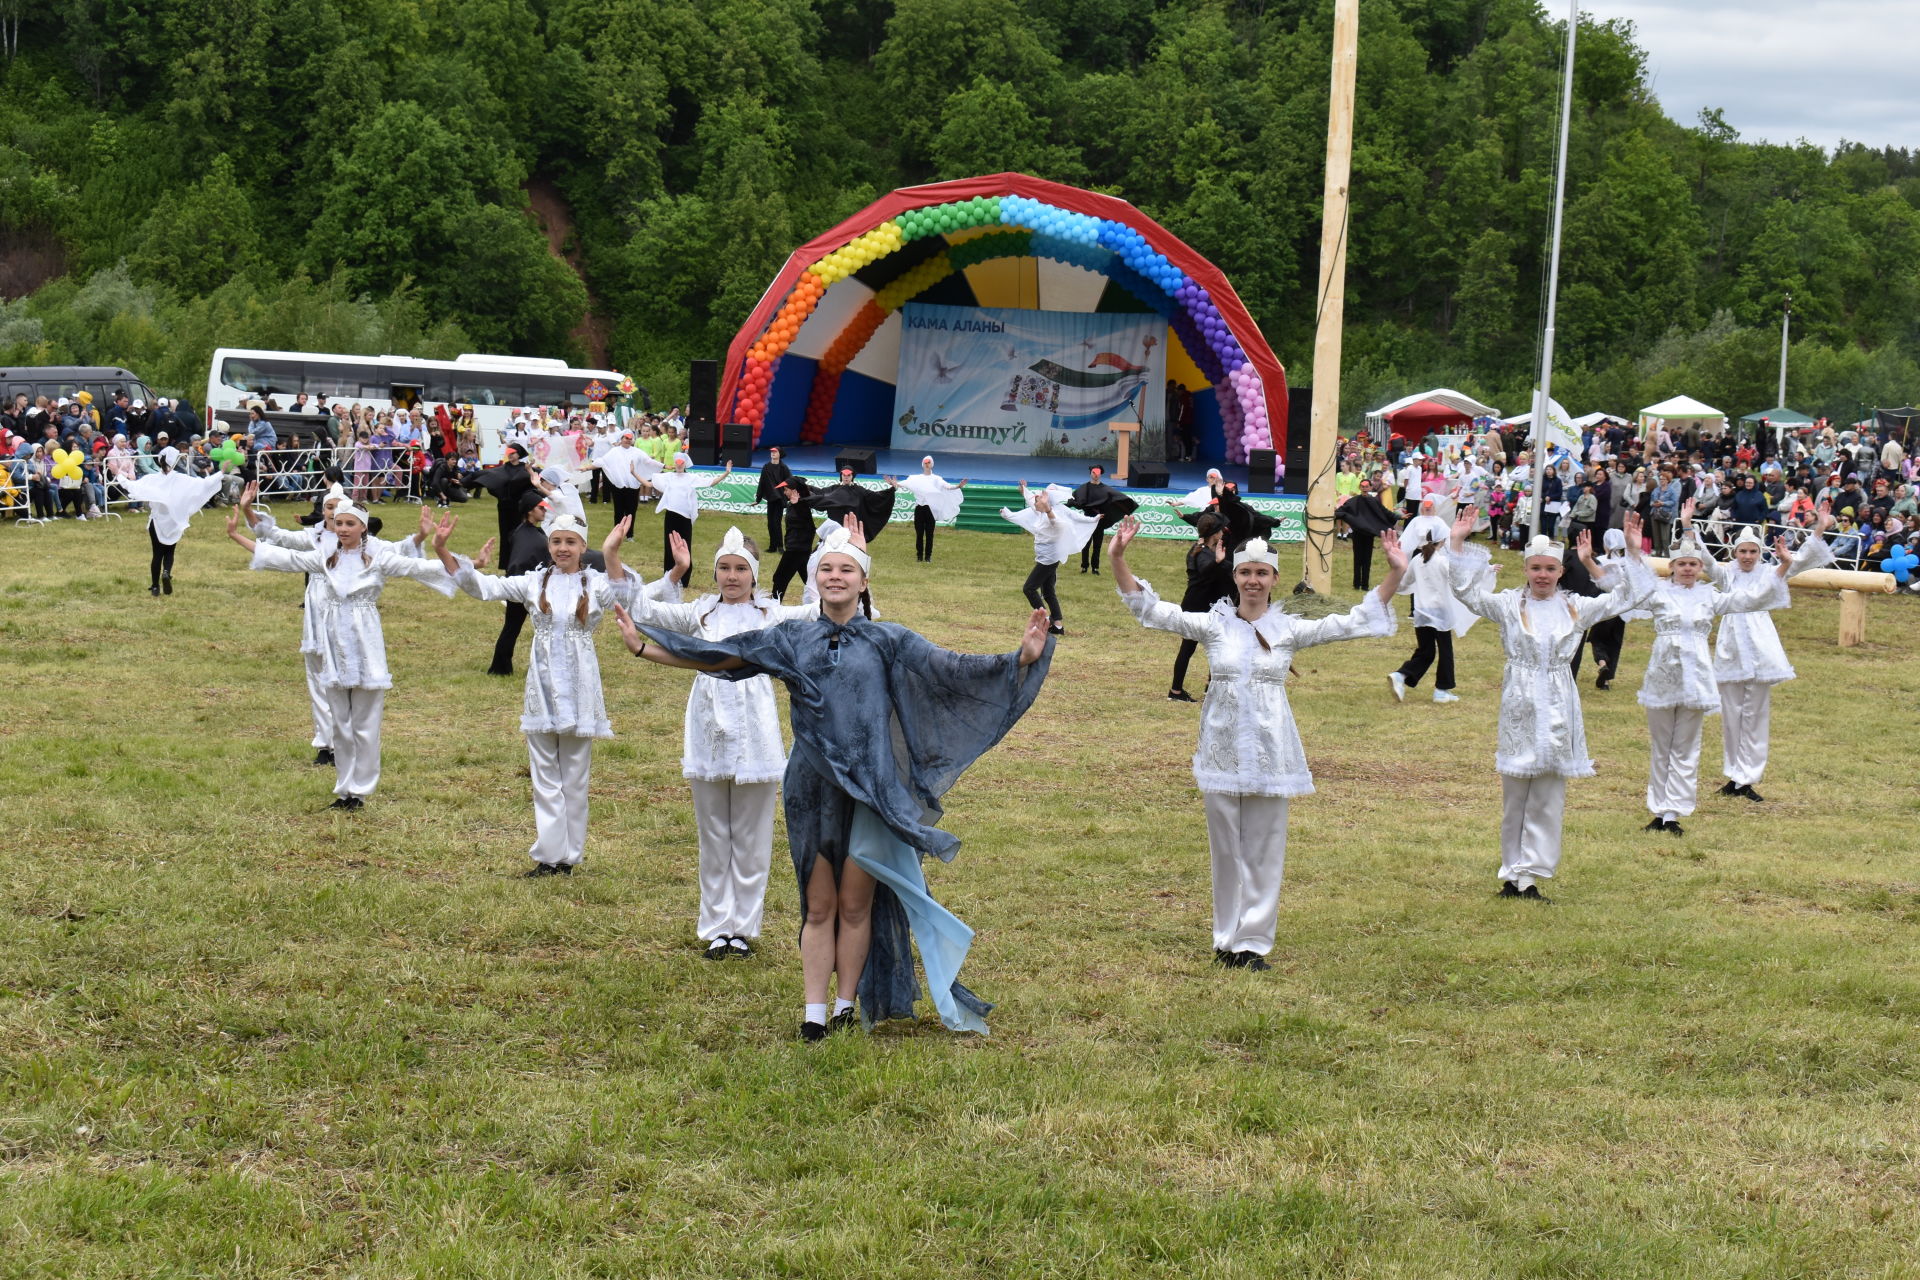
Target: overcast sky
x=1782, y=70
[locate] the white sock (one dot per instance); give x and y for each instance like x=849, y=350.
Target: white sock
x=718, y=944
x=841, y=1006
x=1669, y=816
x=738, y=944
x=817, y=1013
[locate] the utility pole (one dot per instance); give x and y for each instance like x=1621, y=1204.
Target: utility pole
x=1543, y=398
x=1786, y=317
x=1324, y=434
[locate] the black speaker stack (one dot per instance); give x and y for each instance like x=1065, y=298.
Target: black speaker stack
x=1260, y=470
x=736, y=444
x=1299, y=439
x=703, y=413
x=861, y=460
x=1148, y=475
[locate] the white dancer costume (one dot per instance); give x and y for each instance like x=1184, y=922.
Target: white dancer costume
x=939, y=496
x=352, y=647
x=1542, y=738
x=732, y=756
x=1249, y=761
x=1679, y=690
x=1748, y=660
x=316, y=613
x=564, y=710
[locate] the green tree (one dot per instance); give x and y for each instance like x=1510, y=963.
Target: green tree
x=197, y=239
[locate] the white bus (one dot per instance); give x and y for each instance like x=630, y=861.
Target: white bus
x=493, y=385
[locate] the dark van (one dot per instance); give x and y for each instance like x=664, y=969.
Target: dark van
x=56, y=380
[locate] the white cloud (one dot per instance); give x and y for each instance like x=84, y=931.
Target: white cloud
x=1783, y=70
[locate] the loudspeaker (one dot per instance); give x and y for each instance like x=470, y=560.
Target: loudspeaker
x=703, y=442
x=1260, y=470
x=861, y=460
x=703, y=391
x=1148, y=475
x=1299, y=439
x=736, y=444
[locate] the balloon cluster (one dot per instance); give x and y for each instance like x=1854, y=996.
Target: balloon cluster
x=227, y=451
x=1900, y=562
x=66, y=463
x=1023, y=226
x=960, y=215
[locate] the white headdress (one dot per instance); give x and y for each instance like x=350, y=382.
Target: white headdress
x=1541, y=545
x=1687, y=547
x=1752, y=535
x=838, y=541
x=347, y=508
x=566, y=522
x=734, y=544
x=1257, y=551
x=335, y=492
x=1614, y=540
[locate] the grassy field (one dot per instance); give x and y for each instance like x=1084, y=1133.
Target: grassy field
x=242, y=1036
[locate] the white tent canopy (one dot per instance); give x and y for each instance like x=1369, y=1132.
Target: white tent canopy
x=1581, y=423
x=1682, y=407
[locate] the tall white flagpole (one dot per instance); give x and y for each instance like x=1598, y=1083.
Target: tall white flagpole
x=1543, y=396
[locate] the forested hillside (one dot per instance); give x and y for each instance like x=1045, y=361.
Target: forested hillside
x=353, y=175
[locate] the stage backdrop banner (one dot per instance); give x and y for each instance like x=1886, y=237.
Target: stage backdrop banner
x=1033, y=383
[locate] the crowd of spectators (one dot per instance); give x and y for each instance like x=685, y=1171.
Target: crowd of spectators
x=1868, y=478
x=69, y=459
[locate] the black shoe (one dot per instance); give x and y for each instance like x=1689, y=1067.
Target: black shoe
x=845, y=1020
x=1180, y=695
x=1508, y=889
x=323, y=756
x=542, y=869
x=1532, y=894
x=739, y=949
x=1056, y=630
x=717, y=949
x=1731, y=788
x=1675, y=829
x=1604, y=682
x=1658, y=824
x=154, y=590
x=1223, y=957
x=1083, y=568
x=499, y=671
x=1096, y=571
x=166, y=585
x=1748, y=791
x=812, y=1031
x=341, y=802
x=1248, y=960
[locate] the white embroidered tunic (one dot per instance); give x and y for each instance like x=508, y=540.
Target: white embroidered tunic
x=732, y=727
x=316, y=614
x=1541, y=731
x=1249, y=745
x=563, y=670
x=348, y=641
x=1748, y=648
x=1680, y=664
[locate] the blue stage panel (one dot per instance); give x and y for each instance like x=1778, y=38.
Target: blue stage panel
x=862, y=412
x=787, y=400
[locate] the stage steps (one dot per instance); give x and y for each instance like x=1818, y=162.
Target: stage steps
x=981, y=509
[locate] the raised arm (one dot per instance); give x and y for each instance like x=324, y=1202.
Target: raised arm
x=1140, y=598
x=610, y=549
x=640, y=647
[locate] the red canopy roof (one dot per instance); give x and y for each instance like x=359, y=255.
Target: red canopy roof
x=1417, y=421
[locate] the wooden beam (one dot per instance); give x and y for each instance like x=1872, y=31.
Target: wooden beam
x=1324, y=434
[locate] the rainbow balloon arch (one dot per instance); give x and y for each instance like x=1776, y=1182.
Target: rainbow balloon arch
x=841, y=287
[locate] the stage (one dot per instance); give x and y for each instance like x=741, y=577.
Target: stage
x=817, y=460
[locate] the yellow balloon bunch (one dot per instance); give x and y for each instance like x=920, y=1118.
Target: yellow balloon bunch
x=897, y=293
x=66, y=464
x=857, y=253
